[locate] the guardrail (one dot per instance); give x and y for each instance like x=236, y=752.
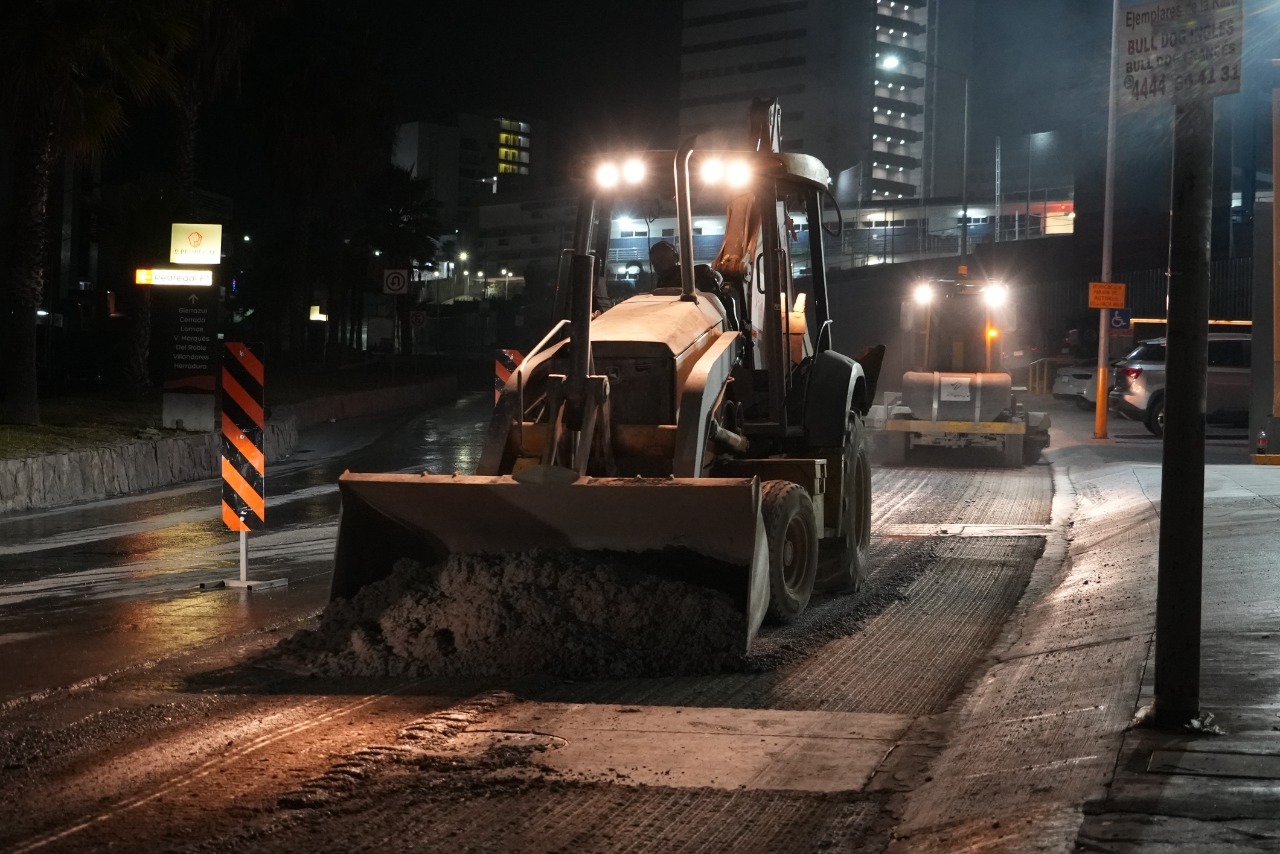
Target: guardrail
x=1041, y=372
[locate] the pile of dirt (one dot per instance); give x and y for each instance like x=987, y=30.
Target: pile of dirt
x=565, y=614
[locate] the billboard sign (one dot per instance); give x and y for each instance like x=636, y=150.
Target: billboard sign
x=1177, y=50
x=195, y=243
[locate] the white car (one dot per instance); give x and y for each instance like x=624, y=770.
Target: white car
x=1077, y=383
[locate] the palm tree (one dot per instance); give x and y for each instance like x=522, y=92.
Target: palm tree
x=330, y=119
x=221, y=32
x=208, y=66
x=68, y=69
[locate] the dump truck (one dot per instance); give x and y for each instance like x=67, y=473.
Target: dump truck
x=955, y=393
x=701, y=426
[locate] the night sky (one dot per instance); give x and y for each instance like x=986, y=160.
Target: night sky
x=592, y=74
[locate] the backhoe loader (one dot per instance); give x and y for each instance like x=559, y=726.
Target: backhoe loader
x=700, y=425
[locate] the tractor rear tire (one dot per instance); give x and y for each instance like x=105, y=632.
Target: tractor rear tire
x=843, y=560
x=792, y=533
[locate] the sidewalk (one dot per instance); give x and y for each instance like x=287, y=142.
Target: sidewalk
x=1212, y=792
x=1040, y=755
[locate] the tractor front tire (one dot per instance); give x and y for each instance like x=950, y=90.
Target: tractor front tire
x=792, y=534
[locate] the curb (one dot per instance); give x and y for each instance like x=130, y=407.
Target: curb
x=57, y=480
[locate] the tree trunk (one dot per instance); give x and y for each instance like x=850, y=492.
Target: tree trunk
x=188, y=131
x=20, y=403
x=136, y=378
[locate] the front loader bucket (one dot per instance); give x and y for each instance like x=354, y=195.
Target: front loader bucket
x=387, y=517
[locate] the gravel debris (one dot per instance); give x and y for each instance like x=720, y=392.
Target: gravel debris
x=566, y=614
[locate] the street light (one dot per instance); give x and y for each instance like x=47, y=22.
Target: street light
x=891, y=62
x=453, y=290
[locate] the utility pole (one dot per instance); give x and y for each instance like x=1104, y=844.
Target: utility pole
x=1180, y=569
x=1101, y=384
x=1165, y=70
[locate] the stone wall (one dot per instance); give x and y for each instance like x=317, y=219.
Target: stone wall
x=55, y=480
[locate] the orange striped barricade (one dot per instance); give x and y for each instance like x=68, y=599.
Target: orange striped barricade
x=504, y=365
x=244, y=465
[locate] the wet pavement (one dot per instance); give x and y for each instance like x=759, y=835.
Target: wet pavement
x=89, y=590
x=1037, y=753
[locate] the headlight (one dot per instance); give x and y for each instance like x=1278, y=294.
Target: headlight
x=995, y=295
x=735, y=173
x=607, y=175
x=923, y=294
x=633, y=171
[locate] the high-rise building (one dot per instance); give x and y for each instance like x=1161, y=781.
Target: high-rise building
x=467, y=162
x=884, y=133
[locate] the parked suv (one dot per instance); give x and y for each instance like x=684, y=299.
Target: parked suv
x=1137, y=389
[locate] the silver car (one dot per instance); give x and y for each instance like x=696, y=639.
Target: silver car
x=1137, y=389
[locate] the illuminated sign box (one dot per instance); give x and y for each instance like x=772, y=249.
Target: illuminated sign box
x=195, y=243
x=190, y=278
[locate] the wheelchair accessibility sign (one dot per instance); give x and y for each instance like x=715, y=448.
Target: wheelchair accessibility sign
x=1121, y=320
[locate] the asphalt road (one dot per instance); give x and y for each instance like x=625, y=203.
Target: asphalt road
x=141, y=712
x=98, y=588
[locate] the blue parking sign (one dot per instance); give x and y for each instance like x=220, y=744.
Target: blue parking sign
x=1121, y=319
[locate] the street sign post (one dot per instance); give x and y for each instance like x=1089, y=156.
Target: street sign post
x=1121, y=320
x=186, y=323
x=395, y=282
x=1182, y=53
x=1106, y=295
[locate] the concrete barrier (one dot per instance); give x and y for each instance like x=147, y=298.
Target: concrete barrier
x=56, y=480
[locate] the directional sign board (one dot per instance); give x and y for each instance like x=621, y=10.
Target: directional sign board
x=1106, y=295
x=171, y=277
x=1177, y=50
x=186, y=329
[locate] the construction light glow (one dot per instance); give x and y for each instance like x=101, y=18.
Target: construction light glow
x=607, y=175
x=923, y=294
x=995, y=295
x=735, y=173
x=738, y=174
x=633, y=171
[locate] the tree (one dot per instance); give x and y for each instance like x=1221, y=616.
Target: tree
x=210, y=65
x=68, y=69
x=221, y=32
x=397, y=230
x=330, y=120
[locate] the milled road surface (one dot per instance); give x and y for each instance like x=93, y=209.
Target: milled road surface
x=812, y=748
